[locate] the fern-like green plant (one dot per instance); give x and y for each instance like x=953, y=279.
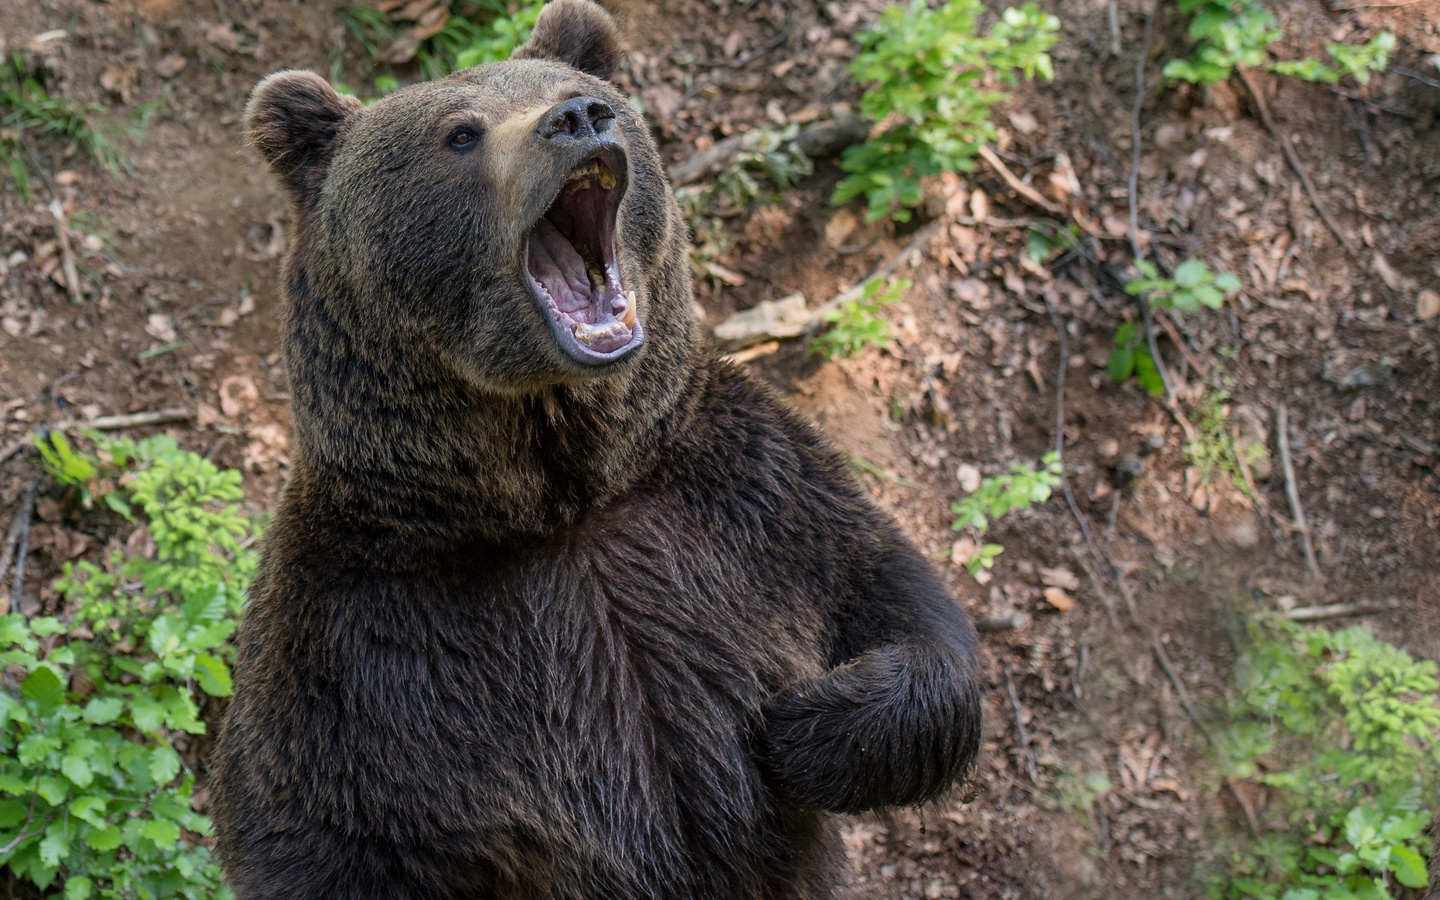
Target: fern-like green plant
x=1344, y=730
x=95, y=797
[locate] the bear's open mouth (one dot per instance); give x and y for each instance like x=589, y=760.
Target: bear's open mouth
x=570, y=264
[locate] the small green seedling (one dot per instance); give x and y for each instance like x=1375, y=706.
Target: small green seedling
x=1130, y=357
x=1193, y=286
x=1020, y=488
x=857, y=324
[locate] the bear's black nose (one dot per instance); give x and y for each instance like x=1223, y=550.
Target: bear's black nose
x=581, y=117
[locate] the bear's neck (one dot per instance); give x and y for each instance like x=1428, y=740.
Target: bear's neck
x=391, y=442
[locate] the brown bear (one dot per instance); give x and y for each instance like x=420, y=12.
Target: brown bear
x=556, y=603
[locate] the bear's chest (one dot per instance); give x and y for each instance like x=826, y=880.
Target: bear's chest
x=591, y=715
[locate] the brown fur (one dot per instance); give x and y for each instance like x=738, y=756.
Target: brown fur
x=530, y=629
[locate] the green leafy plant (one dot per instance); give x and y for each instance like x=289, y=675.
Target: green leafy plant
x=1344, y=730
x=934, y=82
x=1020, y=488
x=1357, y=62
x=1193, y=286
x=1227, y=34
x=94, y=790
x=857, y=324
x=1131, y=357
x=1230, y=33
x=27, y=110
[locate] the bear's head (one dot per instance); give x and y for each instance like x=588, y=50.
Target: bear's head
x=508, y=223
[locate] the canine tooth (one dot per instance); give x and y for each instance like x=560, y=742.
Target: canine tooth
x=607, y=178
x=629, y=317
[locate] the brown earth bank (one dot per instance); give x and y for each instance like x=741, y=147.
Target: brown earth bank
x=1125, y=636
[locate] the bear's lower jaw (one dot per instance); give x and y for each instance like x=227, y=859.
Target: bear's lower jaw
x=570, y=266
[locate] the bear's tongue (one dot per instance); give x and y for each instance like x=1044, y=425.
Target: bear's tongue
x=587, y=308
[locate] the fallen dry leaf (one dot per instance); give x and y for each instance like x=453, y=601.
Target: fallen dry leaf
x=170, y=66
x=1060, y=577
x=1058, y=599
x=238, y=394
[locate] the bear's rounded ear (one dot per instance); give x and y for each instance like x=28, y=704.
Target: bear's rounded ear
x=293, y=119
x=577, y=33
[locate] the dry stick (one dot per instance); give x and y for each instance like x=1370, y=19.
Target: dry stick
x=1132, y=189
x=1164, y=659
x=22, y=539
x=1336, y=610
x=1018, y=186
x=1292, y=493
x=1293, y=159
x=67, y=254
x=1060, y=451
x=167, y=416
x=916, y=243
x=1020, y=726
x=13, y=448
x=1008, y=622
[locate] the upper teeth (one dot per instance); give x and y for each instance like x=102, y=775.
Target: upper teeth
x=594, y=170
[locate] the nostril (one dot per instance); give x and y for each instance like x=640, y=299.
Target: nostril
x=578, y=118
x=601, y=115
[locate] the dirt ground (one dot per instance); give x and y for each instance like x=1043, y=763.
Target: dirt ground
x=1119, y=635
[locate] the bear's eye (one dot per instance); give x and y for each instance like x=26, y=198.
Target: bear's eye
x=464, y=137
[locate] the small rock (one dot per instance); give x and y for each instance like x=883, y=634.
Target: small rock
x=1427, y=305
x=1109, y=449
x=840, y=227
x=969, y=478
x=767, y=320
x=160, y=327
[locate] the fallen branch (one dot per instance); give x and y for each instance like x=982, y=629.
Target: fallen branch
x=1020, y=726
x=1292, y=493
x=1018, y=186
x=167, y=416
x=1336, y=610
x=1293, y=159
x=816, y=140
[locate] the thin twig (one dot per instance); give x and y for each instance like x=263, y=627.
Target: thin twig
x=1292, y=492
x=166, y=416
x=67, y=254
x=915, y=244
x=14, y=447
x=1018, y=186
x=1080, y=519
x=1337, y=610
x=1009, y=622
x=1164, y=659
x=1412, y=74
x=21, y=541
x=1294, y=160
x=1020, y=726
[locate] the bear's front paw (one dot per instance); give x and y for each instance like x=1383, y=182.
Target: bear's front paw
x=896, y=726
